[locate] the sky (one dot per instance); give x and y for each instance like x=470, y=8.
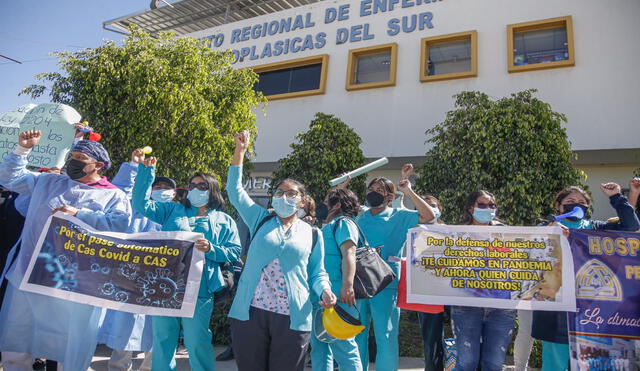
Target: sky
x=31, y=29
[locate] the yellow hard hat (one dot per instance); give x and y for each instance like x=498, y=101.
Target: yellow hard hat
x=340, y=324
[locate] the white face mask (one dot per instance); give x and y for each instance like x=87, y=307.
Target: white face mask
x=301, y=213
x=163, y=195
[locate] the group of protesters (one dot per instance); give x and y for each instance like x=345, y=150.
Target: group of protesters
x=290, y=269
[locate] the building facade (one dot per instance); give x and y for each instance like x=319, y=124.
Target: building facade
x=389, y=69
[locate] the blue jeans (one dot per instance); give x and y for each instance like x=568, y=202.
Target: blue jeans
x=432, y=340
x=482, y=337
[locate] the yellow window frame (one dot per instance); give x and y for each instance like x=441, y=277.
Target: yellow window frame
x=323, y=59
x=535, y=26
x=353, y=62
x=424, y=54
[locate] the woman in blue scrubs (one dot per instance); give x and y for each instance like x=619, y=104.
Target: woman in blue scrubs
x=387, y=228
x=200, y=213
x=271, y=312
x=341, y=239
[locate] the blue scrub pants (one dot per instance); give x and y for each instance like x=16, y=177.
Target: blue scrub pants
x=197, y=339
x=384, y=312
x=555, y=356
x=345, y=351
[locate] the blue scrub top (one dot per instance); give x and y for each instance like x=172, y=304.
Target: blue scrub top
x=345, y=230
x=388, y=230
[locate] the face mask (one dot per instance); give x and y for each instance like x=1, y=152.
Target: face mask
x=75, y=169
x=284, y=207
x=483, y=216
x=198, y=198
x=301, y=213
x=374, y=199
x=162, y=195
x=567, y=208
x=436, y=213
x=322, y=212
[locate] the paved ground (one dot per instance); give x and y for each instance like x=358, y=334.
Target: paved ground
x=101, y=357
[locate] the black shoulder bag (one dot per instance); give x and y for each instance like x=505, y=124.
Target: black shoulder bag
x=373, y=274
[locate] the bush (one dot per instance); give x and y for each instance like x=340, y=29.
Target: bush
x=329, y=148
x=514, y=147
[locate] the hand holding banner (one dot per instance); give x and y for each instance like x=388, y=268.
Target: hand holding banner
x=155, y=273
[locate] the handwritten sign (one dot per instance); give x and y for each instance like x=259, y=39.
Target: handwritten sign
x=10, y=128
x=56, y=122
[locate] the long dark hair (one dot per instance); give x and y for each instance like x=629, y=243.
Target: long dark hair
x=349, y=205
x=471, y=200
x=215, y=196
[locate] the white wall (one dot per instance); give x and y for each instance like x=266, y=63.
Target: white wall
x=599, y=95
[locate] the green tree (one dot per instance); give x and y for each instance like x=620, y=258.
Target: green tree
x=175, y=94
x=329, y=148
x=514, y=147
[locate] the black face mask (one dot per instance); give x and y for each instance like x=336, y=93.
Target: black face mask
x=374, y=199
x=567, y=208
x=322, y=212
x=75, y=169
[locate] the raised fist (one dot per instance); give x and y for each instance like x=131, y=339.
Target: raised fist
x=151, y=161
x=29, y=138
x=242, y=140
x=610, y=189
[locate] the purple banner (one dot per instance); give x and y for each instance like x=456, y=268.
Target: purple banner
x=605, y=331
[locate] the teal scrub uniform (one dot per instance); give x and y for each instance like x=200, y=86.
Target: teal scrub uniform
x=387, y=230
x=220, y=230
x=345, y=351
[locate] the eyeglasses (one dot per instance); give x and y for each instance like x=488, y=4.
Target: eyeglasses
x=291, y=193
x=199, y=186
x=482, y=205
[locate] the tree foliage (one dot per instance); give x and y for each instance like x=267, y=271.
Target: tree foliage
x=329, y=148
x=514, y=147
x=175, y=94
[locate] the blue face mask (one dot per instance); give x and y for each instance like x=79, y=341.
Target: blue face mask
x=198, y=198
x=437, y=213
x=162, y=195
x=284, y=207
x=484, y=216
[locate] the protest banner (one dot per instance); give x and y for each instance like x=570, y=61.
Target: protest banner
x=604, y=334
x=155, y=273
x=56, y=122
x=10, y=128
x=490, y=266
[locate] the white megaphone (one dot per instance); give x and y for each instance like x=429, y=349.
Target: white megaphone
x=577, y=213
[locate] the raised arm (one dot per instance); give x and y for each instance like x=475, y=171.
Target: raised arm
x=126, y=176
x=627, y=217
x=634, y=192
x=140, y=198
x=13, y=169
x=249, y=211
x=425, y=211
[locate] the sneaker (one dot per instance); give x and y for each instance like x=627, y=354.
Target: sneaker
x=227, y=355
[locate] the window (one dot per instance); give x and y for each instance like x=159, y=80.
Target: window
x=540, y=44
x=294, y=78
x=452, y=56
x=372, y=67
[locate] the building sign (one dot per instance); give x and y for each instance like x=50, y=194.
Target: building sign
x=298, y=33
x=258, y=185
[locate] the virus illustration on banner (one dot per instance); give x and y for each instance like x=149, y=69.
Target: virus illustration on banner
x=159, y=290
x=129, y=271
x=113, y=291
x=62, y=270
